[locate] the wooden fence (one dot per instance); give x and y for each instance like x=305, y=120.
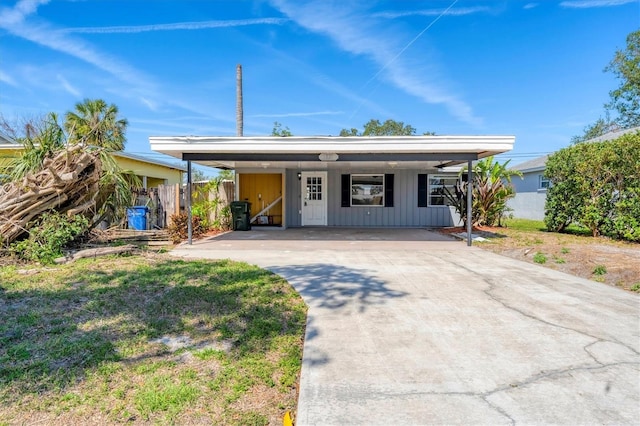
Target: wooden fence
x=166, y=200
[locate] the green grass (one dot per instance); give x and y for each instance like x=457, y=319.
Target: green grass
x=599, y=270
x=81, y=338
x=540, y=258
x=525, y=225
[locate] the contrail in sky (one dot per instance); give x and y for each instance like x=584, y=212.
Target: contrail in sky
x=203, y=25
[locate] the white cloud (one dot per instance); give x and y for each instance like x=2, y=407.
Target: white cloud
x=22, y=9
x=13, y=21
x=175, y=26
x=68, y=87
x=355, y=33
x=530, y=6
x=297, y=114
x=7, y=79
x=433, y=12
x=584, y=4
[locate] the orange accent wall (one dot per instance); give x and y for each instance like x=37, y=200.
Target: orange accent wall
x=269, y=186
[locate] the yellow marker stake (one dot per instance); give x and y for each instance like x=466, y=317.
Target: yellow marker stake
x=286, y=420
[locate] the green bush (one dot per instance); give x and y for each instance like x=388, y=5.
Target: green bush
x=596, y=185
x=600, y=270
x=540, y=258
x=49, y=236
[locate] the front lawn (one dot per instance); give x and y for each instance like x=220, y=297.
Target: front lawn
x=148, y=339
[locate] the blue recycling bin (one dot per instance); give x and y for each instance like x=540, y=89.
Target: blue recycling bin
x=137, y=217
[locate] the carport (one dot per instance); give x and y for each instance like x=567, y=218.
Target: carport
x=398, y=169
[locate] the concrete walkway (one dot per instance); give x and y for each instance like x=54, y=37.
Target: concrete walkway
x=408, y=327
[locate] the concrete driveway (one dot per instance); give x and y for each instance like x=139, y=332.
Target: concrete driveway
x=409, y=327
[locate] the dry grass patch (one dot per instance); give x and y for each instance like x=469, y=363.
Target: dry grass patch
x=601, y=259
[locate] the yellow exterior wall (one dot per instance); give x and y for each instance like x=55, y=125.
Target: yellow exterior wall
x=8, y=154
x=156, y=174
x=268, y=186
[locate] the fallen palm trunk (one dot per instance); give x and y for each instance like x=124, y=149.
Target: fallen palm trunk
x=67, y=183
x=96, y=252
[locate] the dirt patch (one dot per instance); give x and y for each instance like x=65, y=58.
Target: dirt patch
x=600, y=259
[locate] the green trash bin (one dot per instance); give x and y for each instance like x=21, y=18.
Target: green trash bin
x=241, y=215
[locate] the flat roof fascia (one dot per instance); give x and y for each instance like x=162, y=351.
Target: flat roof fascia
x=177, y=145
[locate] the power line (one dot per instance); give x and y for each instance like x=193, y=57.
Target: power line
x=400, y=53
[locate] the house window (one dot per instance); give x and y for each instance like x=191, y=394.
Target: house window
x=441, y=188
x=543, y=182
x=367, y=190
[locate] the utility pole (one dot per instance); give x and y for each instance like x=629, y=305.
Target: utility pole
x=239, y=108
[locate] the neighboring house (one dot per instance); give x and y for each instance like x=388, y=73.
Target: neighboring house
x=151, y=172
x=531, y=190
x=340, y=181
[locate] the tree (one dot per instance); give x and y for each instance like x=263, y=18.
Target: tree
x=198, y=175
x=42, y=139
x=226, y=174
x=278, y=130
x=95, y=123
x=625, y=65
x=374, y=128
x=601, y=127
x=491, y=190
x=596, y=185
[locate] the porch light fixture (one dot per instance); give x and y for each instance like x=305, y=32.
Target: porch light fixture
x=328, y=156
x=392, y=164
x=265, y=165
x=299, y=176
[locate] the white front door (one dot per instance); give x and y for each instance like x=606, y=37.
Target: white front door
x=314, y=198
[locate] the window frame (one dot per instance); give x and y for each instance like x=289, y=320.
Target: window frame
x=382, y=192
x=541, y=183
x=449, y=176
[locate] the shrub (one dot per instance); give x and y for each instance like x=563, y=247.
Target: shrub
x=540, y=258
x=178, y=230
x=49, y=236
x=600, y=270
x=596, y=185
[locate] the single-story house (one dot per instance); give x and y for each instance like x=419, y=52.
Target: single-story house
x=531, y=190
x=151, y=172
x=359, y=181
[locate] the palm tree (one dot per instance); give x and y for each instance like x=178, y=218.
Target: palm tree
x=95, y=123
x=42, y=140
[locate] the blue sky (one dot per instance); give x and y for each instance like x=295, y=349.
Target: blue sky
x=533, y=69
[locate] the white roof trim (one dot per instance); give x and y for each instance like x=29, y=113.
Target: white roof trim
x=177, y=145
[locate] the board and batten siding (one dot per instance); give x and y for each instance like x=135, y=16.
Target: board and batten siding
x=404, y=213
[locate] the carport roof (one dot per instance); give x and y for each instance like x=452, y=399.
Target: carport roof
x=302, y=152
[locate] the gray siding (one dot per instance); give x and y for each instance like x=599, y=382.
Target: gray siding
x=294, y=200
x=528, y=205
x=404, y=213
x=529, y=200
x=530, y=182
